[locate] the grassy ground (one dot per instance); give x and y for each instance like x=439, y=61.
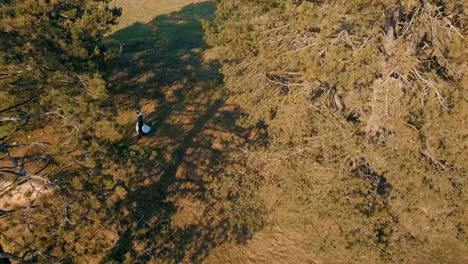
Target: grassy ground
x=144, y=11
x=166, y=69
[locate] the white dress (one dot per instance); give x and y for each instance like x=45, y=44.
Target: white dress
x=146, y=129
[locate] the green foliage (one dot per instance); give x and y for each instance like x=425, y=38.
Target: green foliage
x=360, y=102
x=50, y=51
x=51, y=59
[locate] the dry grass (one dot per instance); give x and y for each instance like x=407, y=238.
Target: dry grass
x=167, y=70
x=274, y=246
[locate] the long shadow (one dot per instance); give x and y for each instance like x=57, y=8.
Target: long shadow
x=161, y=54
x=162, y=61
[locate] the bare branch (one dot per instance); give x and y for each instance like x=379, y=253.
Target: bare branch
x=34, y=144
x=411, y=21
x=19, y=170
x=285, y=81
x=276, y=29
x=27, y=117
x=452, y=27
x=440, y=98
x=19, y=104
x=364, y=43
x=437, y=164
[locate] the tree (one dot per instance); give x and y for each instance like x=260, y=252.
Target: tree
x=360, y=104
x=51, y=58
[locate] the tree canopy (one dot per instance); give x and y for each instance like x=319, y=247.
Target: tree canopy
x=352, y=131
x=359, y=112
x=51, y=84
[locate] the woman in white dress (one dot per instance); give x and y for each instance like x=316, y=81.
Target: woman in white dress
x=142, y=128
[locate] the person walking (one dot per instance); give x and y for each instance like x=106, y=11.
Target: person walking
x=141, y=128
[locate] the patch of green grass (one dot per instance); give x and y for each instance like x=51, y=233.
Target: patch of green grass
x=177, y=30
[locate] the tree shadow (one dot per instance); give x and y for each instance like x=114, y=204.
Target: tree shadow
x=162, y=54
x=163, y=63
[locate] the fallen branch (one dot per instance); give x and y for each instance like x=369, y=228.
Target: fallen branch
x=27, y=117
x=439, y=166
x=283, y=81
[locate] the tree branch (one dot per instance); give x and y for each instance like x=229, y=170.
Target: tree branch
x=19, y=104
x=6, y=255
x=27, y=117
x=19, y=170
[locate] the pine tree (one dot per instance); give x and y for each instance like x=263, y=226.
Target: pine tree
x=360, y=108
x=51, y=58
